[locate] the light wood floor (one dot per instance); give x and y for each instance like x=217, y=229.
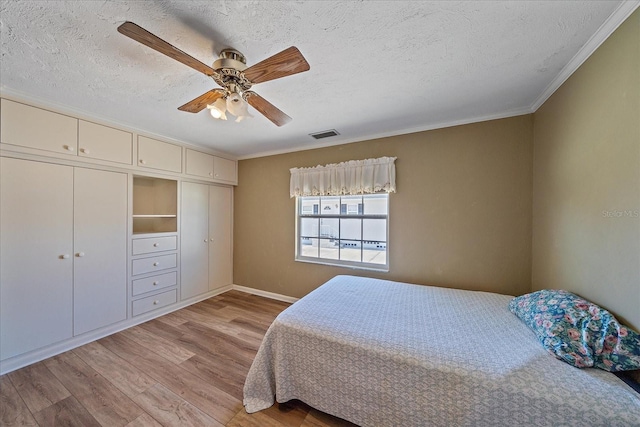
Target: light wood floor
x=186, y=368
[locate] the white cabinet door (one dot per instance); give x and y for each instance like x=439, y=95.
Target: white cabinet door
x=37, y=128
x=220, y=237
x=159, y=155
x=199, y=164
x=104, y=143
x=225, y=170
x=36, y=255
x=194, y=242
x=100, y=249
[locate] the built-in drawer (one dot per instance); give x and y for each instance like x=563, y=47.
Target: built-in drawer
x=156, y=263
x=154, y=244
x=154, y=302
x=154, y=283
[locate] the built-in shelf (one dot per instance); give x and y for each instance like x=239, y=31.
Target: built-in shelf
x=155, y=205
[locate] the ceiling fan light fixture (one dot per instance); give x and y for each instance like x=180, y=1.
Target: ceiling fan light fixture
x=218, y=109
x=238, y=106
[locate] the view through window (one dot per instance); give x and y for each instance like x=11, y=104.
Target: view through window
x=344, y=230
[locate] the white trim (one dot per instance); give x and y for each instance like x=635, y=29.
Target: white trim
x=266, y=294
x=25, y=359
x=616, y=19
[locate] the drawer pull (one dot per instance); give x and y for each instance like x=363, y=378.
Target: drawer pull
x=143, y=162
x=156, y=283
x=155, y=264
x=85, y=150
x=68, y=148
x=155, y=245
x=156, y=302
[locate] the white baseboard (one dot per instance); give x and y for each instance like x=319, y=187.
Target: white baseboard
x=266, y=294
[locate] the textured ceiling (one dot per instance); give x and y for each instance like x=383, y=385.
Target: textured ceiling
x=377, y=68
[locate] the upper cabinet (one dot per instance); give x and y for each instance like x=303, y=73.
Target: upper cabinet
x=211, y=167
x=225, y=170
x=156, y=154
x=32, y=127
x=104, y=143
x=199, y=164
x=33, y=130
x=36, y=128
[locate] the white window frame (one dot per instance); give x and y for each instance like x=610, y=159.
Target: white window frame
x=349, y=215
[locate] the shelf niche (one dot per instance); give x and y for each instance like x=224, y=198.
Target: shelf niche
x=155, y=205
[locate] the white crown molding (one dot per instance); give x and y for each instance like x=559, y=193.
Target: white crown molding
x=616, y=19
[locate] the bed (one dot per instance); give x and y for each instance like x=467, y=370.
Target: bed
x=383, y=353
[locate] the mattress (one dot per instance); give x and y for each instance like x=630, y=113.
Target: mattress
x=383, y=353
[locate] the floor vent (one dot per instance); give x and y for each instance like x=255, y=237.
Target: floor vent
x=325, y=134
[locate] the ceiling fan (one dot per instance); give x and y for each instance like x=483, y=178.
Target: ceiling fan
x=231, y=72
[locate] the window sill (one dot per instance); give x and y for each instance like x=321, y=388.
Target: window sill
x=336, y=263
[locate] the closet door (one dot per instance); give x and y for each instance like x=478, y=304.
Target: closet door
x=220, y=237
x=100, y=249
x=36, y=255
x=194, y=242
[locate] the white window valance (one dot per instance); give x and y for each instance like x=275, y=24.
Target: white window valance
x=352, y=177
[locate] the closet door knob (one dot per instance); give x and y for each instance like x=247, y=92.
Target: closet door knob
x=205, y=240
x=211, y=240
x=80, y=254
x=210, y=173
x=65, y=256
x=143, y=162
x=69, y=148
x=85, y=150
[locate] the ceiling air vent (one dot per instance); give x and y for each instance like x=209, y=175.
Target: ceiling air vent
x=325, y=134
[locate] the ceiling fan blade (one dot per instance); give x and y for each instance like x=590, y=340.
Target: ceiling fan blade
x=289, y=61
x=200, y=103
x=143, y=36
x=267, y=109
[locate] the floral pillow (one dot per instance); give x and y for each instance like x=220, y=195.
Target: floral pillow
x=578, y=331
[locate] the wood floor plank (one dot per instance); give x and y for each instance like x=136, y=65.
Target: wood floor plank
x=165, y=348
x=213, y=341
x=128, y=379
x=102, y=399
x=202, y=394
x=171, y=410
x=227, y=377
x=38, y=387
x=67, y=412
x=163, y=330
x=13, y=410
x=144, y=420
x=172, y=319
x=316, y=418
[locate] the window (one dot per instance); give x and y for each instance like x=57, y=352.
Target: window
x=343, y=230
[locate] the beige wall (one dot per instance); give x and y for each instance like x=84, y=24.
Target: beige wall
x=586, y=191
x=461, y=216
